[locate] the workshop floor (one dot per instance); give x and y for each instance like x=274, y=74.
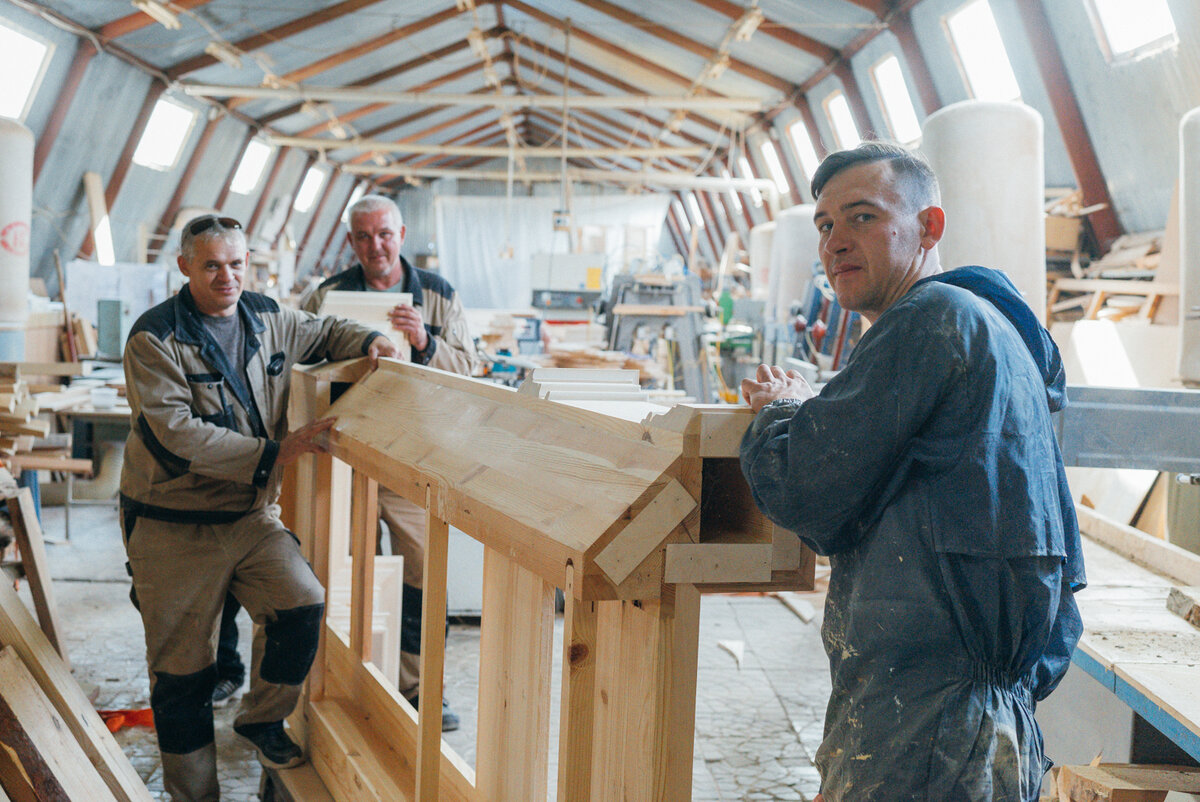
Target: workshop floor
x=758, y=719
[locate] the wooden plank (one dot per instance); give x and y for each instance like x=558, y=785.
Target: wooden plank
x=364, y=521
x=19, y=630
x=22, y=770
x=15, y=778
x=649, y=310
x=299, y=784
x=19, y=369
x=48, y=733
x=577, y=706
x=28, y=532
x=516, y=646
x=346, y=754
x=646, y=531
x=1185, y=603
x=370, y=309
x=40, y=462
x=1166, y=558
x=698, y=563
x=433, y=653
x=1125, y=783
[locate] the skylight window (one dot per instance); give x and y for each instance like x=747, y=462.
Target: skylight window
x=747, y=172
x=1132, y=29
x=844, y=129
x=774, y=166
x=802, y=144
x=680, y=216
x=163, y=139
x=896, y=102
x=981, y=53
x=251, y=168
x=314, y=179
x=358, y=191
x=734, y=195
x=22, y=60
x=694, y=207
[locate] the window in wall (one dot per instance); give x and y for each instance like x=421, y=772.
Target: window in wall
x=251, y=168
x=734, y=195
x=896, y=102
x=747, y=172
x=314, y=179
x=802, y=144
x=1128, y=30
x=774, y=166
x=844, y=129
x=23, y=61
x=680, y=216
x=694, y=207
x=981, y=54
x=165, y=133
x=358, y=191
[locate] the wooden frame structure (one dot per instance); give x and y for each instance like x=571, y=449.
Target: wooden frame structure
x=633, y=519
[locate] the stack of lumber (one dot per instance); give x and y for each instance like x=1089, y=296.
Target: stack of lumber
x=1131, y=256
x=53, y=745
x=84, y=340
x=1116, y=782
x=18, y=424
x=648, y=371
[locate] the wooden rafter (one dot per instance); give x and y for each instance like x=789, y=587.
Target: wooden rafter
x=260, y=40
x=138, y=20
x=361, y=49
x=316, y=213
x=679, y=40
x=775, y=30
x=879, y=8
x=268, y=185
x=62, y=104
x=433, y=129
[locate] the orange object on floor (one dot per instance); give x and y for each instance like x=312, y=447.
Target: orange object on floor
x=116, y=719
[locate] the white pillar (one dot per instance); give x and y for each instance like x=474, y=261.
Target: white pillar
x=16, y=202
x=759, y=248
x=989, y=160
x=793, y=252
x=1189, y=246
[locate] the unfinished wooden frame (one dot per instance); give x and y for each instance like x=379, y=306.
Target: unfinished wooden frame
x=632, y=518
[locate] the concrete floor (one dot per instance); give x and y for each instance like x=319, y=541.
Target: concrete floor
x=758, y=724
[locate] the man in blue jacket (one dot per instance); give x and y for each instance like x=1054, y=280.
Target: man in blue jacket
x=928, y=471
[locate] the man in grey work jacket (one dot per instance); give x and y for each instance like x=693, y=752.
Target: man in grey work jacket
x=436, y=328
x=208, y=373
x=928, y=471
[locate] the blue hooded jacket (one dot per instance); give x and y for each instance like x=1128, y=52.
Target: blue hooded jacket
x=928, y=471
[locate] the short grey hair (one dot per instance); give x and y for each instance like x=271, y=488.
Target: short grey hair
x=217, y=229
x=374, y=203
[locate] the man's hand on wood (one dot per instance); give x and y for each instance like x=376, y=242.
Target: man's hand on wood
x=773, y=384
x=381, y=346
x=408, y=319
x=303, y=440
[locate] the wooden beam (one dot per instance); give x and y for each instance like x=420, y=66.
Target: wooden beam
x=425, y=132
x=364, y=512
x=776, y=30
x=433, y=654
x=176, y=203
x=268, y=185
x=1084, y=162
x=877, y=7
x=359, y=50
x=223, y=195
x=28, y=531
x=279, y=32
x=336, y=227
x=138, y=20
x=691, y=45
x=126, y=157
x=84, y=52
x=902, y=27
x=577, y=706
x=854, y=97
x=793, y=184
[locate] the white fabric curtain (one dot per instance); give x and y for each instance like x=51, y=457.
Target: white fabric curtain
x=473, y=233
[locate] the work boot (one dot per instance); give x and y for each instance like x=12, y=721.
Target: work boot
x=449, y=717
x=275, y=749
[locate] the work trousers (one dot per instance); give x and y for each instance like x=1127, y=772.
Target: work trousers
x=181, y=575
x=406, y=529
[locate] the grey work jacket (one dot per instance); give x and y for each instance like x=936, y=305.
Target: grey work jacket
x=203, y=442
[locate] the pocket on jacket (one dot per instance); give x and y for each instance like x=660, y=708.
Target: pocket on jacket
x=275, y=366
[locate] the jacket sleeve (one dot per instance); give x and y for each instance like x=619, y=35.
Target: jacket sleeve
x=330, y=338
x=453, y=349
x=822, y=467
x=181, y=441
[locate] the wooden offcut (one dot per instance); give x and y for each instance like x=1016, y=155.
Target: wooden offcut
x=1115, y=782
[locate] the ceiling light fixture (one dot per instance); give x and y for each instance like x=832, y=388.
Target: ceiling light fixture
x=226, y=54
x=161, y=14
x=745, y=27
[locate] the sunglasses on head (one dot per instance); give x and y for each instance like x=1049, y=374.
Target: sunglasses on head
x=205, y=223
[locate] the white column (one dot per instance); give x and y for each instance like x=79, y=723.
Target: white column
x=793, y=251
x=16, y=202
x=1189, y=247
x=989, y=159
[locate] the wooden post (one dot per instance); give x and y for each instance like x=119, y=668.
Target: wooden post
x=433, y=652
x=577, y=709
x=364, y=512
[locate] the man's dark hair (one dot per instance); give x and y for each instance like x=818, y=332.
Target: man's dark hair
x=918, y=183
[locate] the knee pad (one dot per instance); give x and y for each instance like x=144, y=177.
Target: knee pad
x=291, y=644
x=182, y=705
